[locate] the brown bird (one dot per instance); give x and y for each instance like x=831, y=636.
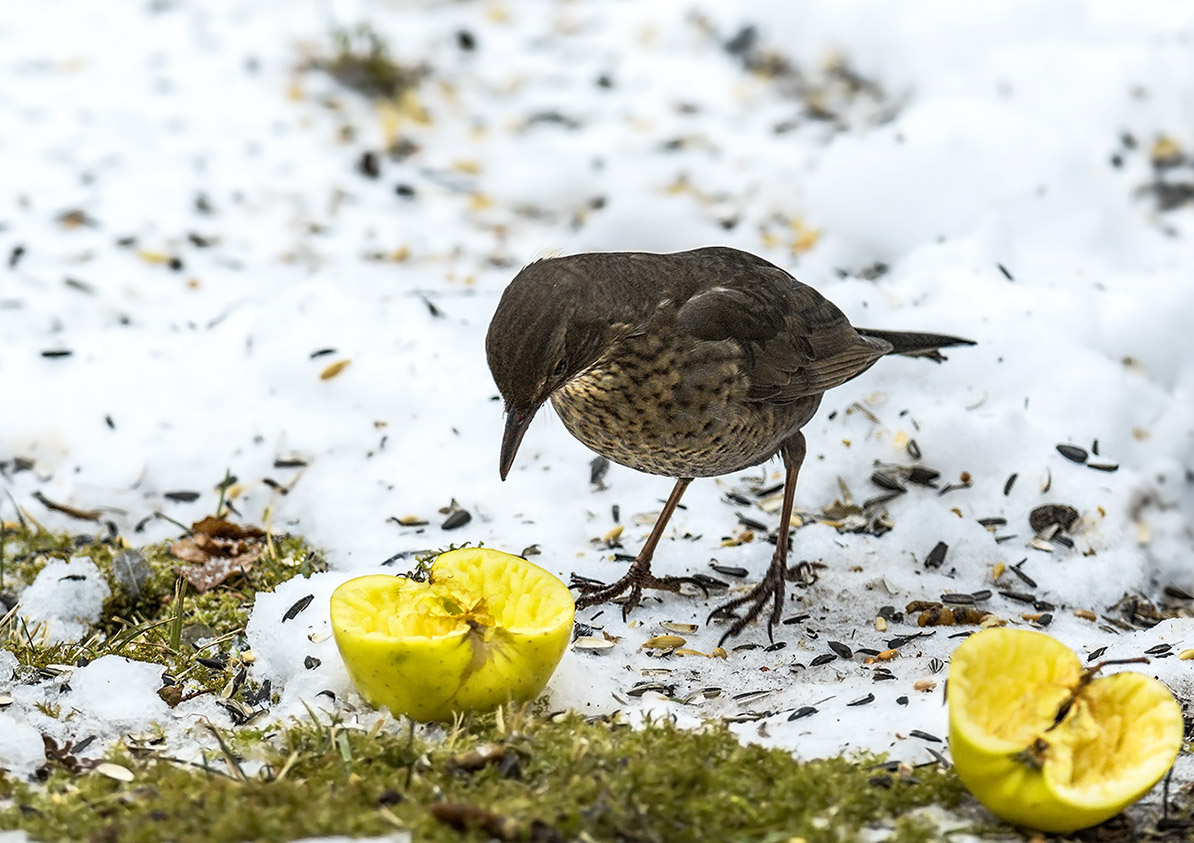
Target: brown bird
x=692, y=364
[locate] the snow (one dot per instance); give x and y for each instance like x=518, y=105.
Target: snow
x=983, y=173
x=63, y=600
x=118, y=692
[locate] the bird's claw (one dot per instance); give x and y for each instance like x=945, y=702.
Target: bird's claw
x=771, y=589
x=593, y=592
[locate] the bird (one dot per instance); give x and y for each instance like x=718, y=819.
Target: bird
x=687, y=364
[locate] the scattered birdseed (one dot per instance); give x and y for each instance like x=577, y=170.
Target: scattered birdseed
x=299, y=605
x=824, y=658
x=751, y=696
x=1103, y=466
x=645, y=687
x=1085, y=614
x=922, y=476
x=456, y=518
x=1158, y=649
x=1007, y=487
x=1073, y=453
x=957, y=597
x=924, y=736
x=841, y=649
x=802, y=712
x=729, y=570
x=936, y=555
x=888, y=482
x=672, y=626
x=778, y=645
x=310, y=662
x=592, y=643
x=1047, y=515
x=924, y=685
x=867, y=700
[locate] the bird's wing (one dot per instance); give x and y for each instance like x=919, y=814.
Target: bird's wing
x=796, y=343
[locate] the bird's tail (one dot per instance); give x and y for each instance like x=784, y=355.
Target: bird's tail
x=914, y=343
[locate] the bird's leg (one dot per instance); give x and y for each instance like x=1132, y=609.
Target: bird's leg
x=771, y=589
x=639, y=575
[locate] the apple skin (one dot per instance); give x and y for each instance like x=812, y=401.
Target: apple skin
x=505, y=627
x=1119, y=736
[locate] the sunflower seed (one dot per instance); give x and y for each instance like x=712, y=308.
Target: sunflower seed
x=924, y=736
x=824, y=658
x=1046, y=515
x=1007, y=487
x=841, y=649
x=888, y=482
x=802, y=712
x=729, y=570
x=869, y=698
x=1073, y=453
x=641, y=688
x=922, y=476
x=298, y=606
x=1103, y=466
x=936, y=555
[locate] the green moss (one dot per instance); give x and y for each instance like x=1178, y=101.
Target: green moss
x=548, y=778
x=361, y=61
x=147, y=623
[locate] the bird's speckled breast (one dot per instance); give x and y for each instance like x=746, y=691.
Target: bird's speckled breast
x=665, y=403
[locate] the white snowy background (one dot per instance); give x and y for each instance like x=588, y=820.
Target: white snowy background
x=1019, y=169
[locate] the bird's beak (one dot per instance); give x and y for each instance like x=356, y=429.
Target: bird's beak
x=517, y=422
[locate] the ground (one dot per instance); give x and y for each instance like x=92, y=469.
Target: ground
x=250, y=251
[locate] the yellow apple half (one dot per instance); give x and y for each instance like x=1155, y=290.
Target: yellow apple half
x=485, y=628
x=1043, y=744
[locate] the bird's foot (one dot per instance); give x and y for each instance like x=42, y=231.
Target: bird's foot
x=593, y=592
x=770, y=590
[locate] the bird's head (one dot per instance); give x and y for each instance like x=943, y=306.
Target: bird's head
x=548, y=327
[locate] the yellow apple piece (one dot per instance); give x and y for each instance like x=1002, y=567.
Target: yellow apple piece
x=1046, y=745
x=485, y=628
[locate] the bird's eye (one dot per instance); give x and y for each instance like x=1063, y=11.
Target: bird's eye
x=561, y=369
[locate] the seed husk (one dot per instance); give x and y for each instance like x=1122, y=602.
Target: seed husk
x=592, y=643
